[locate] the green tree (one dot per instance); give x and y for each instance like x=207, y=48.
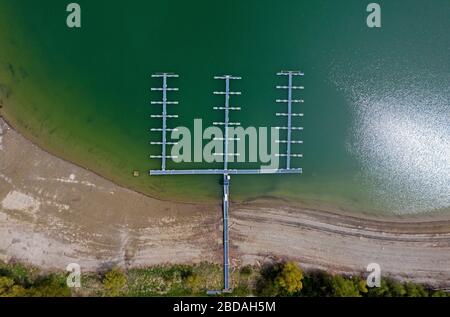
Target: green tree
x=114, y=282
x=343, y=287
x=6, y=285
x=194, y=282
x=49, y=286
x=289, y=279
x=440, y=293
x=361, y=284
x=396, y=289
x=415, y=290
x=382, y=291
x=393, y=288
x=8, y=288
x=316, y=284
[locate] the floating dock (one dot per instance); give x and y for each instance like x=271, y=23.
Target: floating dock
x=226, y=172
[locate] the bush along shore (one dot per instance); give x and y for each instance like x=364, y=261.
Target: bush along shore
x=274, y=279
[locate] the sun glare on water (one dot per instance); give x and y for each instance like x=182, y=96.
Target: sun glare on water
x=401, y=137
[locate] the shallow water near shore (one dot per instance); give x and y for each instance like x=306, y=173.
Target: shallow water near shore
x=377, y=110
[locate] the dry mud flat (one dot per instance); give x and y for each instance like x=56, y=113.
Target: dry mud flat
x=53, y=213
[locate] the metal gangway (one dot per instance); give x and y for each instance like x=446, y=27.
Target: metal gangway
x=225, y=171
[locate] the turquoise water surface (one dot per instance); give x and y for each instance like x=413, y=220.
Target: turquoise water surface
x=377, y=107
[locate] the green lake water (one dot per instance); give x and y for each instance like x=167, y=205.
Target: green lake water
x=377, y=101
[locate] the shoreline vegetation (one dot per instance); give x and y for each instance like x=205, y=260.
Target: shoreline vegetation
x=273, y=279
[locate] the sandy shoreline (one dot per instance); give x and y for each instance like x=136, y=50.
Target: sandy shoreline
x=53, y=213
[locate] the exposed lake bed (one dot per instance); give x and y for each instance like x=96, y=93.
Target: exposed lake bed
x=53, y=213
x=75, y=153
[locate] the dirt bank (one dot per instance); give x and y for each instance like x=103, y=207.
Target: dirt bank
x=53, y=213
